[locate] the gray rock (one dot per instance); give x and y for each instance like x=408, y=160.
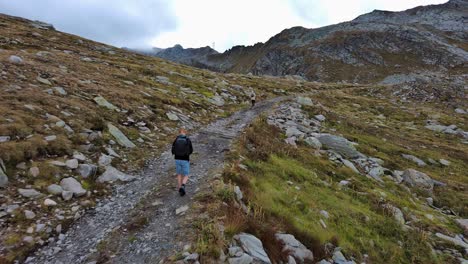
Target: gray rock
x=67, y=195
x=29, y=214
x=243, y=259
x=28, y=239
x=3, y=177
x=295, y=248
x=325, y=214
x=217, y=100
x=79, y=156
x=120, y=137
x=444, y=162
x=86, y=170
x=58, y=163
x=72, y=185
x=350, y=165
x=253, y=246
x=4, y=139
x=340, y=145
x=105, y=160
x=320, y=118
x=460, y=111
x=50, y=202
x=112, y=174
x=101, y=101
x=376, y=172
x=414, y=159
x=313, y=142
x=294, y=132
x=15, y=59
x=396, y=213
x=43, y=81
x=291, y=141
x=29, y=193
x=238, y=193
x=191, y=258
x=454, y=240
x=72, y=163
x=181, y=209
x=172, y=116
x=235, y=251
x=305, y=101
x=54, y=189
x=417, y=179
x=112, y=153
x=463, y=223
x=60, y=90
x=50, y=138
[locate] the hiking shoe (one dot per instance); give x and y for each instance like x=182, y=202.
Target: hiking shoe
x=182, y=191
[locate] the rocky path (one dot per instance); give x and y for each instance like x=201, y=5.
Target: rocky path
x=138, y=223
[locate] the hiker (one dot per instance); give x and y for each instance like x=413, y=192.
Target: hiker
x=181, y=149
x=252, y=98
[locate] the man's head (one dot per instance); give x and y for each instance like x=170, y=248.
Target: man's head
x=182, y=131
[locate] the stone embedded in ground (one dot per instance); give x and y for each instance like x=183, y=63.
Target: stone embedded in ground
x=377, y=172
x=15, y=59
x=463, y=223
x=295, y=248
x=340, y=145
x=181, y=209
x=72, y=185
x=320, y=118
x=86, y=170
x=217, y=100
x=112, y=174
x=58, y=163
x=294, y=132
x=60, y=90
x=43, y=81
x=444, y=162
x=120, y=137
x=172, y=116
x=67, y=195
x=350, y=165
x=104, y=160
x=54, y=189
x=454, y=240
x=305, y=101
x=29, y=193
x=395, y=212
x=313, y=142
x=79, y=156
x=50, y=138
x=417, y=179
x=414, y=159
x=253, y=246
x=101, y=101
x=4, y=139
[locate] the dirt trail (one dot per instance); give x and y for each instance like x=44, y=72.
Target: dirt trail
x=148, y=205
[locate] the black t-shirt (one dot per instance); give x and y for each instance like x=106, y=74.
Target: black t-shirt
x=185, y=157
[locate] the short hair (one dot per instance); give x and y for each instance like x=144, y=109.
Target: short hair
x=182, y=130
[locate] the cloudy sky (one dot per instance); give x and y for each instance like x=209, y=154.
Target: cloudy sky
x=193, y=23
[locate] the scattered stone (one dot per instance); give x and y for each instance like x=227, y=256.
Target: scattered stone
x=305, y=101
x=181, y=209
x=238, y=193
x=417, y=179
x=86, y=170
x=350, y=165
x=217, y=100
x=54, y=189
x=294, y=132
x=43, y=81
x=252, y=246
x=112, y=174
x=101, y=101
x=128, y=82
x=454, y=240
x=120, y=137
x=376, y=172
x=295, y=248
x=339, y=144
x=395, y=212
x=60, y=90
x=320, y=118
x=28, y=239
x=243, y=259
x=29, y=214
x=49, y=202
x=15, y=59
x=291, y=141
x=79, y=156
x=460, y=111
x=72, y=163
x=4, y=139
x=50, y=138
x=444, y=162
x=104, y=160
x=172, y=116
x=325, y=214
x=72, y=185
x=112, y=153
x=343, y=183
x=29, y=193
x=58, y=163
x=67, y=195
x=430, y=201
x=414, y=159
x=192, y=258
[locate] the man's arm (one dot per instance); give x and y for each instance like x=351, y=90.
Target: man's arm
x=190, y=146
x=173, y=147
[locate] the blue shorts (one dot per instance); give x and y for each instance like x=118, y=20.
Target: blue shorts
x=182, y=167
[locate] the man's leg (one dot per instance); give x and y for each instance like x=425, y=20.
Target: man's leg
x=179, y=181
x=185, y=180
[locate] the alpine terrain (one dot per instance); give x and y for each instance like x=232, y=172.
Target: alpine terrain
x=355, y=152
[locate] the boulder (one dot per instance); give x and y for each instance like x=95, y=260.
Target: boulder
x=417, y=179
x=295, y=248
x=120, y=137
x=253, y=247
x=340, y=145
x=104, y=160
x=86, y=170
x=72, y=185
x=49, y=202
x=112, y=174
x=54, y=189
x=29, y=193
x=313, y=142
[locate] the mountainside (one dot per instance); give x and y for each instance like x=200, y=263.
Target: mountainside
x=419, y=46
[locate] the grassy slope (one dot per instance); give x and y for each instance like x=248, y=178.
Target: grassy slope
x=357, y=221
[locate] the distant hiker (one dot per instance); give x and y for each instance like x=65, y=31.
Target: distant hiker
x=253, y=96
x=181, y=149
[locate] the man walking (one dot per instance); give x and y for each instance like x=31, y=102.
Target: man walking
x=253, y=98
x=181, y=149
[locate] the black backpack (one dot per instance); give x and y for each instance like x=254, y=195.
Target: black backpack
x=181, y=146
